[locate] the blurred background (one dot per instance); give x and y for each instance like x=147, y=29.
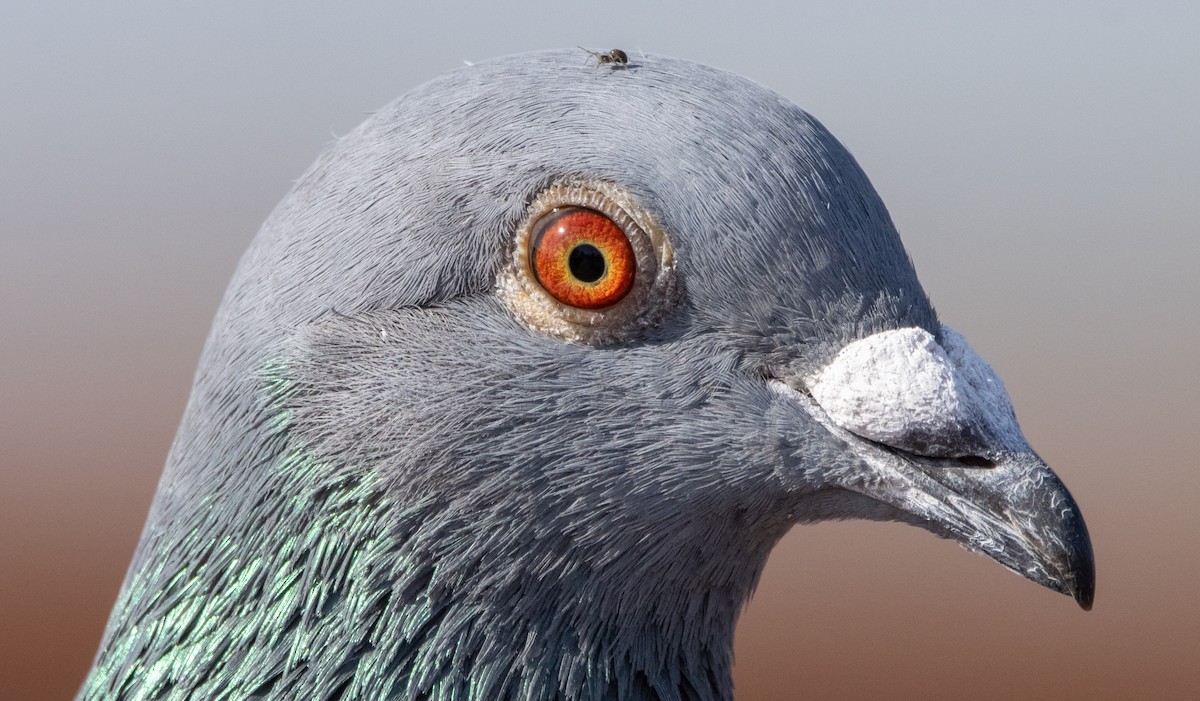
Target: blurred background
x=1041, y=160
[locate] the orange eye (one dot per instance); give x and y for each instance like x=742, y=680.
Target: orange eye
x=581, y=257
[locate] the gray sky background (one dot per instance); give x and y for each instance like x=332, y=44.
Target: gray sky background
x=1041, y=160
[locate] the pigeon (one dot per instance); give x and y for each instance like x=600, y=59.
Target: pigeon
x=515, y=391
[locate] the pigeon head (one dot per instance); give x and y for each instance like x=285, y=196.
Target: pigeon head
x=515, y=391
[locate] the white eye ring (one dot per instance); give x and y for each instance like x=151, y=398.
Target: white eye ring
x=653, y=291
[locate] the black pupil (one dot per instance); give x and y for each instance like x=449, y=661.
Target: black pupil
x=586, y=262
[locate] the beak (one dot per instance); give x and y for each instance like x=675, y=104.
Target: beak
x=1015, y=511
x=1010, y=507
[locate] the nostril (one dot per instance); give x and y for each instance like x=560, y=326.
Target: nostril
x=971, y=461
x=975, y=461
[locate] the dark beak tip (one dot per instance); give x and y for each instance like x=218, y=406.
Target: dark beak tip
x=1083, y=579
x=1084, y=589
x=1084, y=597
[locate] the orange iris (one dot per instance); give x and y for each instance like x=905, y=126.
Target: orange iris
x=582, y=258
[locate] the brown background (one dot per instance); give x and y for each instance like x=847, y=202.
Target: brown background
x=1042, y=164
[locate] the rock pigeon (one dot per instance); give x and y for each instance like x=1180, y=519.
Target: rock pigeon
x=514, y=392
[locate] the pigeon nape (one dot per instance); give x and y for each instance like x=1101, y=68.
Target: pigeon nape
x=515, y=391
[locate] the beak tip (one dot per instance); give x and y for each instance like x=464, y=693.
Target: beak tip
x=1082, y=580
x=1084, y=589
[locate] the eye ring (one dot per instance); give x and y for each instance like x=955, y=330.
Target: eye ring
x=612, y=315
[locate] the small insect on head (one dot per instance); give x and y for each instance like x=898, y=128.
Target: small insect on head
x=613, y=56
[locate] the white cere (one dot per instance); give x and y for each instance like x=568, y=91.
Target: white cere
x=899, y=382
